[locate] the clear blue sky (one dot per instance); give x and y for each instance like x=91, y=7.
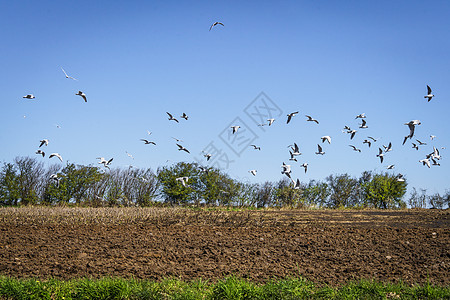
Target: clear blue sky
x=137, y=60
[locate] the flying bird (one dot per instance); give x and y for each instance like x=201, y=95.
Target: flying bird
x=400, y=178
x=55, y=178
x=286, y=170
x=415, y=146
x=388, y=148
x=184, y=116
x=380, y=155
x=67, y=76
x=253, y=172
x=432, y=137
x=178, y=140
x=363, y=124
x=435, y=163
x=311, y=119
x=29, y=96
x=105, y=162
x=235, y=128
x=305, y=166
x=208, y=156
x=290, y=116
x=129, y=155
x=326, y=138
x=39, y=151
x=360, y=116
x=148, y=142
x=255, y=147
x=320, y=150
x=420, y=143
x=430, y=95
x=181, y=148
x=270, y=121
x=296, y=184
x=171, y=118
x=425, y=161
x=373, y=139
x=215, y=24
x=390, y=167
x=82, y=95
x=352, y=133
x=367, y=142
x=411, y=124
x=292, y=156
x=295, y=150
x=43, y=142
x=355, y=149
x=56, y=155
x=183, y=180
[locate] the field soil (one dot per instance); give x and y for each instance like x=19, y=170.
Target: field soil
x=325, y=246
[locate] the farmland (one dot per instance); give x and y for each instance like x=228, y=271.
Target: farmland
x=325, y=246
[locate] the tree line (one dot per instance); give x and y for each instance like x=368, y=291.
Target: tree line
x=26, y=181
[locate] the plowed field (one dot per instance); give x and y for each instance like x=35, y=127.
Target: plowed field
x=325, y=246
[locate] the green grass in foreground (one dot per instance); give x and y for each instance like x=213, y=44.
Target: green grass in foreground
x=228, y=288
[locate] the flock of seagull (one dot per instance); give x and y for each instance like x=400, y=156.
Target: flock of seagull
x=431, y=159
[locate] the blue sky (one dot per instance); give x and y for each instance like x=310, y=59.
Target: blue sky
x=137, y=60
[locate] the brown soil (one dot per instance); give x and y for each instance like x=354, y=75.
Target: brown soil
x=325, y=246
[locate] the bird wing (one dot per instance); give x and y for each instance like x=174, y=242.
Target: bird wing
x=411, y=130
x=320, y=148
x=170, y=116
x=429, y=89
x=289, y=119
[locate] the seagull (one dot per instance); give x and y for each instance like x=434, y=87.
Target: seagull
x=295, y=150
x=292, y=156
x=105, y=162
x=435, y=153
x=255, y=147
x=56, y=155
x=380, y=155
x=435, y=163
x=296, y=184
x=58, y=126
x=67, y=76
x=290, y=116
x=326, y=138
x=420, y=143
x=29, y=96
x=286, y=170
x=184, y=116
x=415, y=146
x=352, y=132
x=263, y=124
x=311, y=119
x=171, y=118
x=411, y=125
x=346, y=128
x=390, y=167
x=432, y=137
x=55, y=178
x=214, y=24
x=204, y=169
x=430, y=95
x=148, y=142
x=363, y=124
x=178, y=140
x=183, y=180
x=355, y=149
x=270, y=121
x=235, y=128
x=39, y=151
x=400, y=178
x=182, y=148
x=83, y=95
x=305, y=165
x=44, y=141
x=388, y=148
x=129, y=155
x=361, y=116
x=373, y=139
x=320, y=150
x=425, y=161
x=148, y=132
x=253, y=172
x=367, y=142
x=208, y=156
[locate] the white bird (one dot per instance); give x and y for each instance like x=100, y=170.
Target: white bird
x=367, y=142
x=286, y=170
x=425, y=161
x=355, y=149
x=435, y=163
x=429, y=95
x=292, y=156
x=171, y=118
x=411, y=124
x=305, y=166
x=184, y=116
x=56, y=155
x=320, y=150
x=432, y=137
x=326, y=138
x=67, y=76
x=82, y=95
x=390, y=167
x=39, y=151
x=311, y=119
x=215, y=24
x=380, y=155
x=105, y=162
x=296, y=184
x=181, y=148
x=436, y=154
x=415, y=146
x=295, y=150
x=420, y=143
x=255, y=147
x=400, y=178
x=373, y=139
x=290, y=116
x=43, y=142
x=183, y=180
x=208, y=156
x=253, y=172
x=235, y=128
x=388, y=148
x=363, y=124
x=129, y=155
x=352, y=133
x=148, y=132
x=270, y=121
x=360, y=116
x=178, y=140
x=148, y=142
x=29, y=96
x=55, y=178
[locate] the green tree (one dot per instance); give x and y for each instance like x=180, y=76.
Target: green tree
x=286, y=195
x=384, y=191
x=418, y=200
x=9, y=185
x=344, y=191
x=316, y=193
